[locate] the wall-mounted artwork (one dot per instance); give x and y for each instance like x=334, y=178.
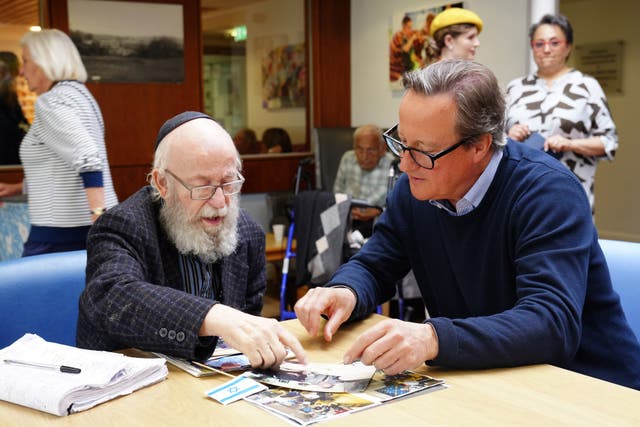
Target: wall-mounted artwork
x=126, y=42
x=284, y=78
x=409, y=37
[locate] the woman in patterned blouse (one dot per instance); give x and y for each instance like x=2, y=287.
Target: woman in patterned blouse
x=569, y=109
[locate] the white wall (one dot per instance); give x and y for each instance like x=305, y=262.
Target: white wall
x=271, y=24
x=503, y=47
x=617, y=197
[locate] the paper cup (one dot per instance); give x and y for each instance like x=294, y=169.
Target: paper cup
x=278, y=233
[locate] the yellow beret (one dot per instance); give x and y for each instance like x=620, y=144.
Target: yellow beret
x=455, y=15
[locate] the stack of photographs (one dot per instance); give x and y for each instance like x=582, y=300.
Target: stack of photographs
x=224, y=359
x=308, y=394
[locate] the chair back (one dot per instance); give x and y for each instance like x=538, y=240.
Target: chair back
x=329, y=144
x=623, y=259
x=319, y=226
x=39, y=294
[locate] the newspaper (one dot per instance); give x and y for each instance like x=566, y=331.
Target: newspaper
x=92, y=377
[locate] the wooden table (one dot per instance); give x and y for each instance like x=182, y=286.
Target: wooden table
x=276, y=252
x=540, y=395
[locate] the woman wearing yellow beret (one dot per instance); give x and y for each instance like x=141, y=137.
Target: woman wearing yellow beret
x=454, y=33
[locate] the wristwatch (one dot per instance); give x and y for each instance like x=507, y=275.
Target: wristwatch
x=98, y=211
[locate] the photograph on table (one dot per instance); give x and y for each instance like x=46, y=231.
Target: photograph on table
x=331, y=377
x=307, y=407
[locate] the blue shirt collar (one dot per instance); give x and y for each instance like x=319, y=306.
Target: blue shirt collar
x=476, y=193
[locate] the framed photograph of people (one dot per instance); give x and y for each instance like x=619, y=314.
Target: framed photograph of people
x=409, y=38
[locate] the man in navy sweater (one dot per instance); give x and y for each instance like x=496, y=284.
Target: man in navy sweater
x=500, y=239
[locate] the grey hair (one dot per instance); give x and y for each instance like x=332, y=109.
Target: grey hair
x=160, y=161
x=368, y=130
x=57, y=56
x=479, y=100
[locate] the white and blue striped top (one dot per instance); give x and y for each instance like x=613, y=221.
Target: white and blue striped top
x=65, y=140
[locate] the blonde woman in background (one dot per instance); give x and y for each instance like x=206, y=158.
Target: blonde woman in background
x=66, y=172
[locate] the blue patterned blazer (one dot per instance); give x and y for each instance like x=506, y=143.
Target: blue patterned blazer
x=134, y=294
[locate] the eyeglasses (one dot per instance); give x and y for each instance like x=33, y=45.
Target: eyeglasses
x=552, y=43
x=422, y=158
x=206, y=192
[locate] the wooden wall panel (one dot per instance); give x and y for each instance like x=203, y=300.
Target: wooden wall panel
x=331, y=62
x=23, y=12
x=11, y=174
x=274, y=172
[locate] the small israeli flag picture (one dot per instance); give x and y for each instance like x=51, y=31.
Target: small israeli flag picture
x=235, y=389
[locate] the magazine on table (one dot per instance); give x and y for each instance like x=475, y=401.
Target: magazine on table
x=303, y=407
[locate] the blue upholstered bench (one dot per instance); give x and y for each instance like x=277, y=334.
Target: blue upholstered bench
x=39, y=295
x=623, y=259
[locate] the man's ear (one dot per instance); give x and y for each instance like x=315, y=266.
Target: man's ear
x=482, y=147
x=160, y=182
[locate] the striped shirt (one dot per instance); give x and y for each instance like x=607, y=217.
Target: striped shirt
x=65, y=140
x=200, y=278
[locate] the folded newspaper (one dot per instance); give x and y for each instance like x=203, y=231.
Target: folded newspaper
x=32, y=374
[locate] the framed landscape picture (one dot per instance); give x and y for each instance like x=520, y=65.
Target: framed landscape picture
x=122, y=41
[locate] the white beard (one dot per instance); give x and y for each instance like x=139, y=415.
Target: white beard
x=191, y=237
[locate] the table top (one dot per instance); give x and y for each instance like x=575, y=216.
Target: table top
x=530, y=395
x=273, y=251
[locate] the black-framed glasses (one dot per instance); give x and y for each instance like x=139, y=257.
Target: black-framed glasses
x=206, y=192
x=422, y=158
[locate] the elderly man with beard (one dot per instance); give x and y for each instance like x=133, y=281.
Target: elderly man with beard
x=179, y=264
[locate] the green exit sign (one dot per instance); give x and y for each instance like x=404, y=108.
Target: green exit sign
x=239, y=33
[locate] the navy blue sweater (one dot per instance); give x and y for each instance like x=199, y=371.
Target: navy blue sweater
x=519, y=280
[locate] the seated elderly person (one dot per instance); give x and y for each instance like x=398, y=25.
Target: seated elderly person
x=179, y=264
x=363, y=174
